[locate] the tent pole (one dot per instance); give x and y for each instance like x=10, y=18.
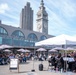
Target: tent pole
x=33, y=70
x=65, y=64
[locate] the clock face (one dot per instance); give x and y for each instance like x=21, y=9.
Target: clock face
x=45, y=25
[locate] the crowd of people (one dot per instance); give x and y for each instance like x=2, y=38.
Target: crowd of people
x=63, y=62
x=5, y=58
x=23, y=57
x=59, y=61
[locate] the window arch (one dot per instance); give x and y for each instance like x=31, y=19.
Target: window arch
x=43, y=37
x=18, y=34
x=3, y=31
x=32, y=37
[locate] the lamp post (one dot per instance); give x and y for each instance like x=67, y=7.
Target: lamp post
x=33, y=70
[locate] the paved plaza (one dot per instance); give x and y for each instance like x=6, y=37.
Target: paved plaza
x=25, y=69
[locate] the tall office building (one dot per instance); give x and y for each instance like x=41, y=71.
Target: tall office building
x=26, y=17
x=42, y=19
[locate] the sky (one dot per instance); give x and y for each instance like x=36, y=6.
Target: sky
x=61, y=14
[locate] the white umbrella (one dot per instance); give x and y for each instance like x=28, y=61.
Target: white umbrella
x=7, y=50
x=23, y=50
x=5, y=46
x=27, y=50
x=41, y=49
x=69, y=48
x=66, y=49
x=53, y=50
x=20, y=50
x=58, y=48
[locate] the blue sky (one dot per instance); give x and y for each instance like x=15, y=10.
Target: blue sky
x=61, y=14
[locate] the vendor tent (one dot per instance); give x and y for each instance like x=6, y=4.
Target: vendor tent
x=58, y=40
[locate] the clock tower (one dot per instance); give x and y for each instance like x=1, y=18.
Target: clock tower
x=42, y=19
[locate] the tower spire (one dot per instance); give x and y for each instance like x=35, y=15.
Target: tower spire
x=42, y=19
x=42, y=3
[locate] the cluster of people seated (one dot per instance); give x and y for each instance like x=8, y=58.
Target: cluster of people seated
x=61, y=62
x=5, y=58
x=23, y=57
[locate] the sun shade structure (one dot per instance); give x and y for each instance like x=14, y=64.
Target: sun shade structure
x=58, y=48
x=41, y=49
x=24, y=50
x=68, y=48
x=7, y=50
x=53, y=50
x=5, y=46
x=58, y=40
x=27, y=50
x=20, y=50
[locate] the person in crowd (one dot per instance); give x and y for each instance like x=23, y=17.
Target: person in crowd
x=40, y=57
x=60, y=62
x=44, y=56
x=52, y=60
x=74, y=65
x=17, y=56
x=24, y=58
x=5, y=59
x=1, y=59
x=49, y=59
x=21, y=57
x=11, y=56
x=70, y=61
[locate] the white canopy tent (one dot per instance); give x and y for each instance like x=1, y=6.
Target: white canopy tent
x=58, y=40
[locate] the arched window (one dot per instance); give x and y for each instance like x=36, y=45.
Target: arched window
x=43, y=37
x=3, y=31
x=18, y=34
x=32, y=37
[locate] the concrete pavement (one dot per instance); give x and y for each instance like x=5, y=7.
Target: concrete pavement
x=25, y=69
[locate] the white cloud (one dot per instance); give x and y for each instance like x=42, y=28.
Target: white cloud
x=4, y=7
